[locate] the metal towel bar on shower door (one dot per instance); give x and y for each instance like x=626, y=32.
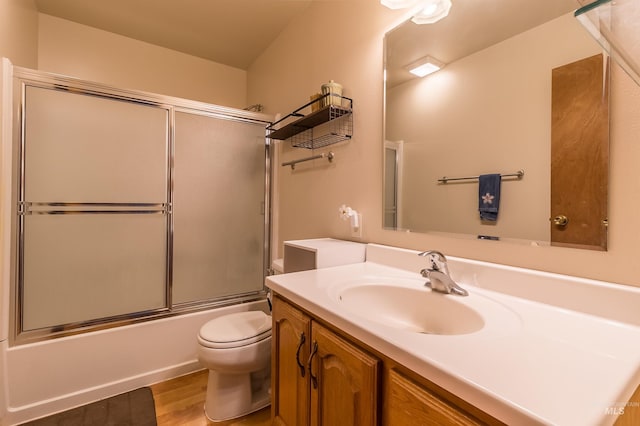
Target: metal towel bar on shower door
x=53, y=208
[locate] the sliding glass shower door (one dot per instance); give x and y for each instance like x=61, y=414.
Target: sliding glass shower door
x=92, y=208
x=218, y=213
x=132, y=207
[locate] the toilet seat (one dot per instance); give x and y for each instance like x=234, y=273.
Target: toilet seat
x=235, y=330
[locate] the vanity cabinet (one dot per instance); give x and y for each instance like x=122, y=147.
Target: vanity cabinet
x=344, y=381
x=409, y=403
x=321, y=376
x=289, y=379
x=318, y=377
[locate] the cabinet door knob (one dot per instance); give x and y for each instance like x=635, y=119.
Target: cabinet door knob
x=560, y=220
x=301, y=365
x=314, y=379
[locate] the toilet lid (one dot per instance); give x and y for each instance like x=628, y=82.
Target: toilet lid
x=236, y=329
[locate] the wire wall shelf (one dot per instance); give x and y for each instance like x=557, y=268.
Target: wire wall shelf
x=327, y=125
x=338, y=128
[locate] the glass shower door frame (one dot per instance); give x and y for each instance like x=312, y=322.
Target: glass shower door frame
x=23, y=208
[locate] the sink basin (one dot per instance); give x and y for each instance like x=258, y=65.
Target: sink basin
x=415, y=309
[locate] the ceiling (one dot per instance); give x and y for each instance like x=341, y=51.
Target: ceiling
x=236, y=32
x=230, y=32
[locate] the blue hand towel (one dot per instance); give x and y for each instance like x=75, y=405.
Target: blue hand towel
x=489, y=196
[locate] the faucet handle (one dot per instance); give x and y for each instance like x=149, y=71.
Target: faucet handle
x=434, y=256
x=438, y=276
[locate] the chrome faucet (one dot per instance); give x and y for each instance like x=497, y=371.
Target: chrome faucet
x=438, y=274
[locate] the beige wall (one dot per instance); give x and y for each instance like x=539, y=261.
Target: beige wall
x=19, y=32
x=309, y=53
x=19, y=44
x=18, y=39
x=88, y=53
x=494, y=108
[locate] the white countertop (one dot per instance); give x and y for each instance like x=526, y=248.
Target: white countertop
x=532, y=363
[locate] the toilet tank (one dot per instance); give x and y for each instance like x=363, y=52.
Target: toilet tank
x=302, y=255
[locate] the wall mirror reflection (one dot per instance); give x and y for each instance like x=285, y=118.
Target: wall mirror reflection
x=522, y=88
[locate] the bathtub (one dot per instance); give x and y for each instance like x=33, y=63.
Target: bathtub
x=46, y=377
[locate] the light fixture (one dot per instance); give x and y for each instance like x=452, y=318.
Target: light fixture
x=432, y=11
x=427, y=11
x=398, y=4
x=424, y=66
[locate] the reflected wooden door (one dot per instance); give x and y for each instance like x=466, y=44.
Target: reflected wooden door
x=580, y=154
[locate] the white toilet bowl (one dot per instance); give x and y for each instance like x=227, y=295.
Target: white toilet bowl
x=236, y=349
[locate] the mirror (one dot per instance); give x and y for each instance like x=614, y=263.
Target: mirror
x=495, y=108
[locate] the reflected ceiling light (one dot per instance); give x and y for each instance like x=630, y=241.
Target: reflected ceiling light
x=425, y=66
x=432, y=11
x=427, y=11
x=398, y=4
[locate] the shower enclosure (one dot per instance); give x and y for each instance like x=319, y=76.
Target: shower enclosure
x=131, y=206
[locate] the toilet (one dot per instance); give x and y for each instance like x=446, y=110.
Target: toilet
x=236, y=349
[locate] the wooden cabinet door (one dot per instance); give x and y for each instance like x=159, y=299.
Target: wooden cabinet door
x=411, y=404
x=289, y=377
x=344, y=382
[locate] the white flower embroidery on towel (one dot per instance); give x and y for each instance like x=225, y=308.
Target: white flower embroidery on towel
x=487, y=198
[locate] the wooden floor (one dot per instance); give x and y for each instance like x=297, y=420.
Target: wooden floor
x=180, y=401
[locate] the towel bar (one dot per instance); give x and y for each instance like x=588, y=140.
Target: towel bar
x=330, y=155
x=519, y=174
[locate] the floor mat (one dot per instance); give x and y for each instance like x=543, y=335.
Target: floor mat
x=135, y=408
